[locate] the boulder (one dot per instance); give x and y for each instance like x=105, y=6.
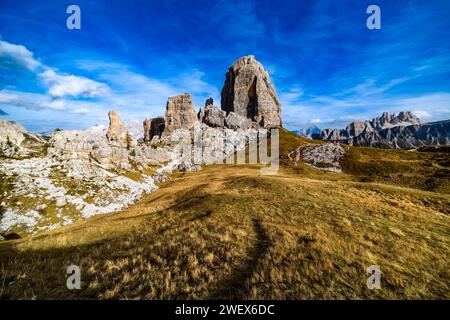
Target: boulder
x=211, y=115
x=248, y=92
x=320, y=156
x=209, y=102
x=180, y=114
x=235, y=121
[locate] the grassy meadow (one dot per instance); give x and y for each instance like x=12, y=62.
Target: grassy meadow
x=228, y=232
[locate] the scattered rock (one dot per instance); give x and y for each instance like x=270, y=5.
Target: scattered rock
x=60, y=202
x=321, y=156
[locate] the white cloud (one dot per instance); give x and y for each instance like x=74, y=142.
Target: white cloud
x=316, y=121
x=335, y=112
x=422, y=114
x=32, y=101
x=370, y=87
x=13, y=56
x=71, y=86
x=6, y=97
x=141, y=96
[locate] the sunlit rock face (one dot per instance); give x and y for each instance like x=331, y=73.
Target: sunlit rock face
x=249, y=93
x=116, y=131
x=180, y=114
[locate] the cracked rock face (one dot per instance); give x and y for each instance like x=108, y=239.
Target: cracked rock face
x=153, y=127
x=180, y=114
x=248, y=92
x=212, y=116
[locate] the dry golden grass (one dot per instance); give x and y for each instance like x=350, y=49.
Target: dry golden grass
x=228, y=232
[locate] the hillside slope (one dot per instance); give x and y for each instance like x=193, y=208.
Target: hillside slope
x=228, y=232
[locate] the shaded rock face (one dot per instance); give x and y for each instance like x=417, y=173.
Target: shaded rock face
x=248, y=92
x=116, y=131
x=209, y=102
x=180, y=114
x=153, y=127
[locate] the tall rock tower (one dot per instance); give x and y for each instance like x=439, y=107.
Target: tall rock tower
x=248, y=92
x=180, y=114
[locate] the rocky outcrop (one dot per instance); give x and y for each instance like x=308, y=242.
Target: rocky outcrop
x=320, y=156
x=116, y=131
x=15, y=140
x=216, y=118
x=11, y=134
x=235, y=122
x=180, y=114
x=153, y=128
x=211, y=115
x=249, y=93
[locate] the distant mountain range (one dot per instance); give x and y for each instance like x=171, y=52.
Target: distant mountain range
x=3, y=113
x=308, y=131
x=402, y=131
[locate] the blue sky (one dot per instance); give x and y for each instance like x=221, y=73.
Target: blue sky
x=327, y=67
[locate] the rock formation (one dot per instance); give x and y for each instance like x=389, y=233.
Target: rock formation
x=180, y=114
x=153, y=127
x=235, y=121
x=248, y=92
x=116, y=131
x=16, y=140
x=320, y=156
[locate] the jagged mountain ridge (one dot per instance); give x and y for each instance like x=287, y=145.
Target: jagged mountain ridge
x=402, y=131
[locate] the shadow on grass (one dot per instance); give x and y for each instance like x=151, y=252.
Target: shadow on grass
x=236, y=287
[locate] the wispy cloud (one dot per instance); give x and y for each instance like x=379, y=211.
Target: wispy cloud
x=116, y=86
x=60, y=86
x=14, y=56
